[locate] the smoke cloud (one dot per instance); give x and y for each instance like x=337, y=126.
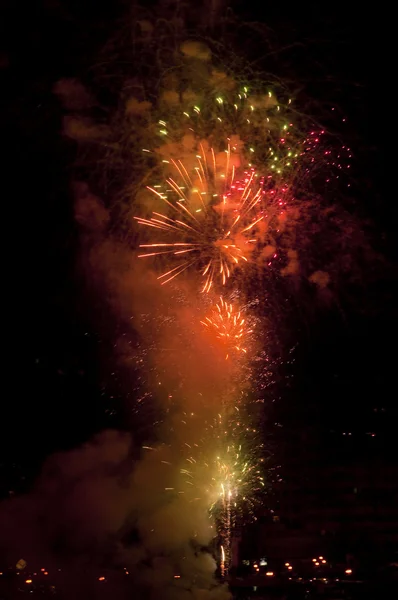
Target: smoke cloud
x=110, y=508
x=98, y=508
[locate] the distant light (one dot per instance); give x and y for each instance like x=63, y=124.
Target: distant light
x=263, y=562
x=42, y=570
x=287, y=564
x=177, y=576
x=45, y=573
x=28, y=581
x=324, y=562
x=290, y=568
x=314, y=560
x=317, y=564
x=101, y=578
x=321, y=558
x=269, y=573
x=348, y=571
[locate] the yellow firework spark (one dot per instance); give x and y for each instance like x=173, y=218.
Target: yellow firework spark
x=210, y=220
x=236, y=478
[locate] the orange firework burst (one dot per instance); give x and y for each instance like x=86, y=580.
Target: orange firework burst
x=229, y=327
x=210, y=220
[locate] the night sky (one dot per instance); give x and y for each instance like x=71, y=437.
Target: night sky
x=59, y=390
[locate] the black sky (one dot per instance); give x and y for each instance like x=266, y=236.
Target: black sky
x=55, y=394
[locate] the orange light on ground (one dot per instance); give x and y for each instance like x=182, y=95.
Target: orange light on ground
x=28, y=581
x=314, y=560
x=321, y=558
x=45, y=573
x=317, y=564
x=101, y=578
x=269, y=573
x=348, y=571
x=324, y=562
x=290, y=568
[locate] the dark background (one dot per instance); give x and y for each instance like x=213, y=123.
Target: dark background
x=55, y=394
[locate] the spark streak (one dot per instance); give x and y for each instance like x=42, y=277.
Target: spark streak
x=210, y=211
x=228, y=326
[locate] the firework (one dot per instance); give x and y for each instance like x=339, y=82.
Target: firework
x=215, y=217
x=268, y=130
x=237, y=480
x=222, y=470
x=210, y=221
x=229, y=327
x=222, y=561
